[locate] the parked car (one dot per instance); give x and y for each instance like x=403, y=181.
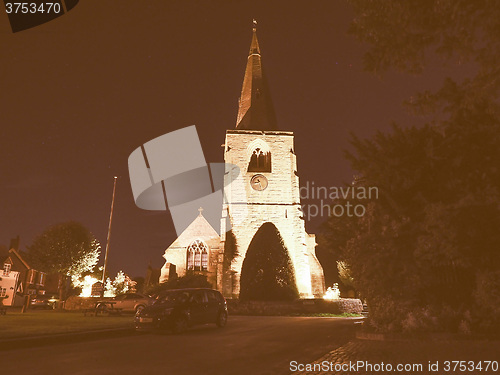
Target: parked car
x=43, y=301
x=132, y=302
x=179, y=309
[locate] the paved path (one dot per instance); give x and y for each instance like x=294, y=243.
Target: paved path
x=415, y=355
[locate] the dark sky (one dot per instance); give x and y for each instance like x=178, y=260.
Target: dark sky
x=80, y=93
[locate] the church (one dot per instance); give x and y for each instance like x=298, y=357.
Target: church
x=267, y=193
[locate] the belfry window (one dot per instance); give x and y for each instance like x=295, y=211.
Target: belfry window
x=197, y=256
x=260, y=161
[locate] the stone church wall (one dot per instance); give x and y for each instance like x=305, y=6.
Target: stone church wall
x=279, y=203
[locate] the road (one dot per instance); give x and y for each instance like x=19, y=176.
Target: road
x=247, y=345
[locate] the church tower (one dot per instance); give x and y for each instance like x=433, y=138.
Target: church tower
x=266, y=189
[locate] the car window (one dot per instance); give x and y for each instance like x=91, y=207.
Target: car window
x=121, y=297
x=212, y=296
x=199, y=296
x=178, y=297
x=182, y=297
x=131, y=296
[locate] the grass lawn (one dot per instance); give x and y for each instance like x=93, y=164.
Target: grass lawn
x=34, y=323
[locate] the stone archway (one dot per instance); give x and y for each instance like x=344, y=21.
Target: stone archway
x=267, y=272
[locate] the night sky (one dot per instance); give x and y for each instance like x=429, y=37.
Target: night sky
x=80, y=93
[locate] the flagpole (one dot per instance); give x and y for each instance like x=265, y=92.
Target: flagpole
x=109, y=237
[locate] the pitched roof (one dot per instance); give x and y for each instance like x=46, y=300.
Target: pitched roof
x=200, y=229
x=16, y=253
x=255, y=109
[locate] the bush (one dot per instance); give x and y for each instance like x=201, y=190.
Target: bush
x=487, y=299
x=297, y=307
x=267, y=273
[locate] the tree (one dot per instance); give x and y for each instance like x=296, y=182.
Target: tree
x=139, y=286
x=345, y=274
x=230, y=253
x=109, y=288
x=425, y=244
x=267, y=272
x=426, y=253
x=68, y=249
x=404, y=34
x=123, y=283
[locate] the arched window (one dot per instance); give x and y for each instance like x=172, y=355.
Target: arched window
x=197, y=260
x=197, y=256
x=260, y=161
x=190, y=256
x=204, y=260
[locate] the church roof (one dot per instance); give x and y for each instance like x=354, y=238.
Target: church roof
x=200, y=229
x=255, y=110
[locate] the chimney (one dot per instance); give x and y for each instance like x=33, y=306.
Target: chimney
x=14, y=243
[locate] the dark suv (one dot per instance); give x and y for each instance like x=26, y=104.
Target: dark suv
x=179, y=309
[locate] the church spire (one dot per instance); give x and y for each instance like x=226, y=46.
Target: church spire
x=255, y=111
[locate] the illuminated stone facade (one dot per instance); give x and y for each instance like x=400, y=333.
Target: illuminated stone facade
x=198, y=249
x=249, y=206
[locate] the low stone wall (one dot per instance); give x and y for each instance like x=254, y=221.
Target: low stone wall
x=82, y=303
x=299, y=307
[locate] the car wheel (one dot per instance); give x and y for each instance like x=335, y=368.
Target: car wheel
x=139, y=308
x=221, y=319
x=179, y=325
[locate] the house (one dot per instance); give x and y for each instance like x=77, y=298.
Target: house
x=8, y=281
x=29, y=281
x=152, y=277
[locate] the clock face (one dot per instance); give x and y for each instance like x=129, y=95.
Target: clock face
x=258, y=182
